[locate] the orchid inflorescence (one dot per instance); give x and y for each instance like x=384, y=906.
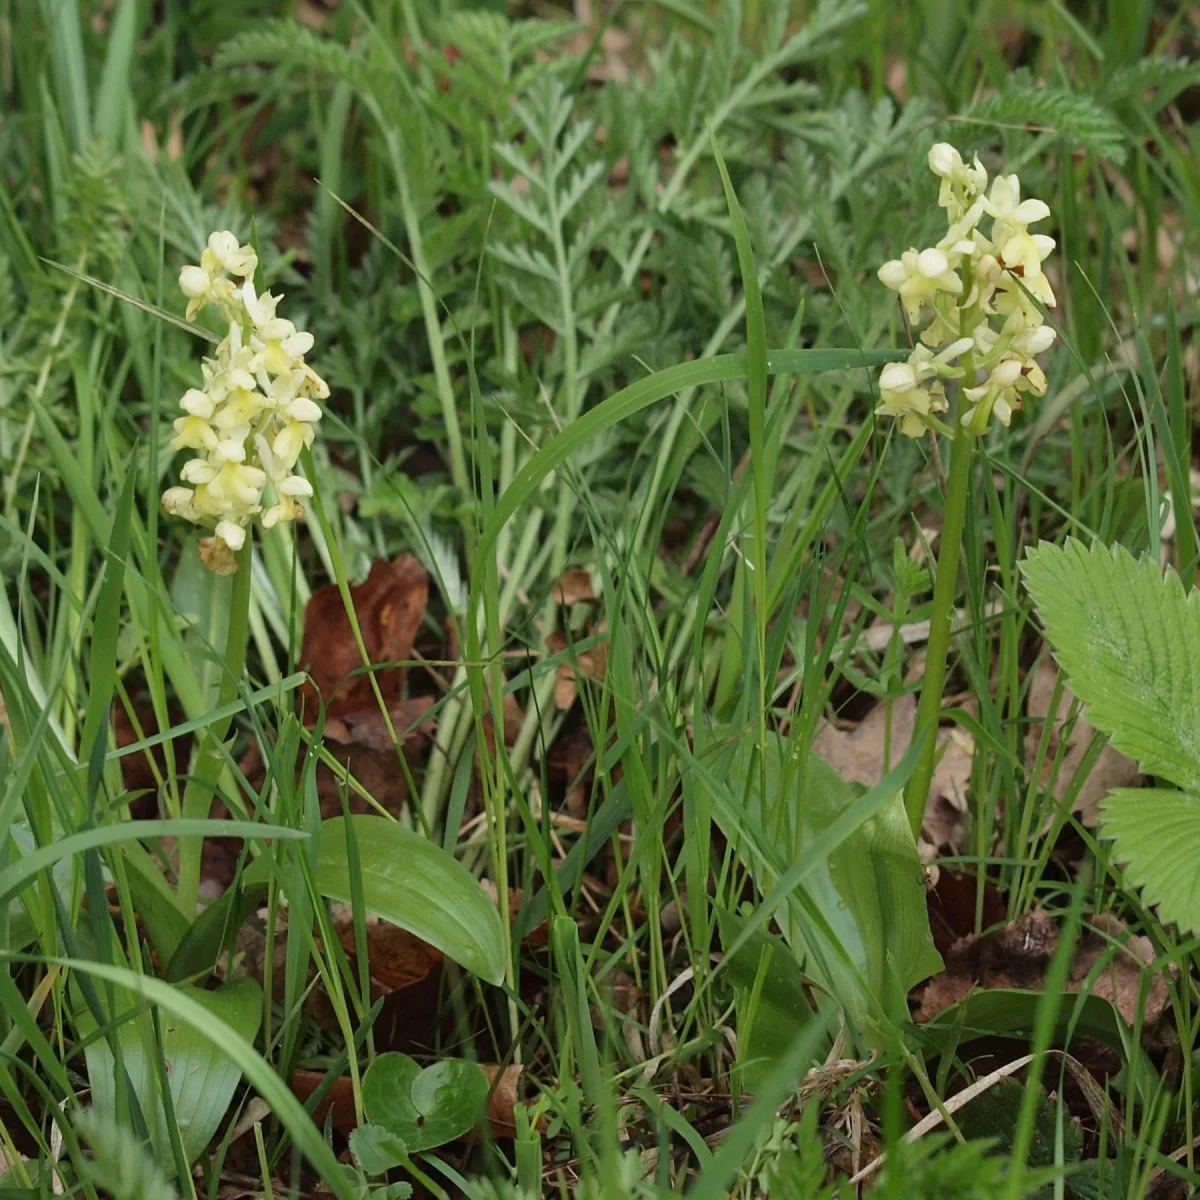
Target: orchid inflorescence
x=983, y=294
x=254, y=414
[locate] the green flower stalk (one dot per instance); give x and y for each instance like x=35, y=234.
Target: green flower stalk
x=248, y=424
x=983, y=295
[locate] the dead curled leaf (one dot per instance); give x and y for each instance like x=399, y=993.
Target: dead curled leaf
x=389, y=606
x=505, y=1083
x=396, y=958
x=400, y=965
x=339, y=1099
x=1111, y=770
x=1018, y=956
x=588, y=664
x=575, y=587
x=953, y=900
x=857, y=755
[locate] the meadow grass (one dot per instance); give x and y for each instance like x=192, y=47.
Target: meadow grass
x=590, y=296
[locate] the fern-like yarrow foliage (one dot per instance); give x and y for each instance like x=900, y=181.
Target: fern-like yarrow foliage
x=1128, y=637
x=121, y=1165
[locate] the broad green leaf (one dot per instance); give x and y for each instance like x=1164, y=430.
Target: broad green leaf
x=212, y=932
x=424, y=1108
x=1157, y=836
x=154, y=901
x=413, y=883
x=202, y=1077
x=868, y=889
x=377, y=1150
x=769, y=989
x=202, y=598
x=1128, y=637
x=1012, y=1012
x=182, y=1004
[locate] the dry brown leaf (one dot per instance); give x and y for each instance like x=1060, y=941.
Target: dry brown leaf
x=362, y=743
x=339, y=1099
x=952, y=902
x=570, y=766
x=313, y=14
x=217, y=556
x=389, y=605
x=403, y=968
x=575, y=587
x=397, y=959
x=1018, y=956
x=138, y=770
x=590, y=664
x=149, y=139
x=1111, y=770
x=506, y=1095
x=857, y=755
x=514, y=720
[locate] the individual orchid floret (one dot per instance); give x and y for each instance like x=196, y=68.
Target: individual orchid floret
x=913, y=392
x=1013, y=215
x=1018, y=303
x=918, y=275
x=996, y=394
x=254, y=414
x=1030, y=342
x=961, y=184
x=207, y=283
x=909, y=402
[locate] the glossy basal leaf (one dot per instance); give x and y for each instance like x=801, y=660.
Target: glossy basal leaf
x=213, y=931
x=424, y=1108
x=769, y=987
x=413, y=883
x=182, y=1003
x=868, y=891
x=201, y=1076
x=1156, y=832
x=1128, y=637
x=1012, y=1012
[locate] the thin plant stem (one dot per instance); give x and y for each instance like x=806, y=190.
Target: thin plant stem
x=210, y=761
x=437, y=350
x=962, y=450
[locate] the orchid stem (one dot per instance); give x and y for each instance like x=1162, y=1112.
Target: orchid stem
x=962, y=450
x=210, y=759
